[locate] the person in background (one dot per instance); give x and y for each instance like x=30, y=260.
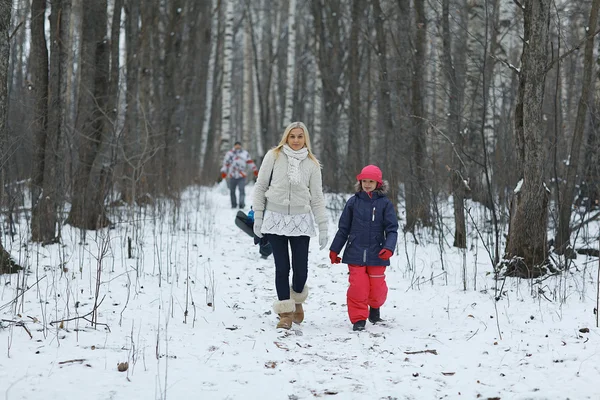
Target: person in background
x=368, y=227
x=287, y=194
x=235, y=167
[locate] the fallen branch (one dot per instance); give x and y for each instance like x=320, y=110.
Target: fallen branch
x=422, y=351
x=79, y=360
x=81, y=316
x=21, y=324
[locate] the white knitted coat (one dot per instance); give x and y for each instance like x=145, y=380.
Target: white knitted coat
x=284, y=197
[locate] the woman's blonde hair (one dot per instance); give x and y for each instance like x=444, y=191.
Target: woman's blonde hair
x=286, y=133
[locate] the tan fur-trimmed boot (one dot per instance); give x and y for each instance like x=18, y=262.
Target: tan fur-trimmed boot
x=299, y=298
x=285, y=309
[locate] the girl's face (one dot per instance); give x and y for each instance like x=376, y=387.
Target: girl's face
x=368, y=185
x=296, y=139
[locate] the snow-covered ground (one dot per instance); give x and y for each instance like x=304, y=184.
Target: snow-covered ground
x=440, y=341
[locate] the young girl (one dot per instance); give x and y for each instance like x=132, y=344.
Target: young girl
x=287, y=194
x=368, y=227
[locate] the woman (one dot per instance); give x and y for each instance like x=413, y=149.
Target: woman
x=288, y=188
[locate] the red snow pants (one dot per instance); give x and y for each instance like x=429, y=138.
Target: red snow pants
x=367, y=289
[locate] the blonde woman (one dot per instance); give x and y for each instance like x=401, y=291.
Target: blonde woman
x=288, y=200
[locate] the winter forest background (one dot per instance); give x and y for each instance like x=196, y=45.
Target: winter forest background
x=126, y=101
x=115, y=116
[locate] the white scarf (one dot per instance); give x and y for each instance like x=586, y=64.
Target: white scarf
x=295, y=157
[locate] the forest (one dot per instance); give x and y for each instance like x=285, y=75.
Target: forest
x=107, y=103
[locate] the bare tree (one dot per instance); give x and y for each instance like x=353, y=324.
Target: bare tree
x=457, y=169
x=391, y=138
x=563, y=233
x=418, y=199
x=526, y=247
x=91, y=179
x=291, y=65
x=226, y=88
x=6, y=264
x=45, y=213
x=357, y=140
x=38, y=72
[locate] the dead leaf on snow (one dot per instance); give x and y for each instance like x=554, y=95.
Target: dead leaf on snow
x=270, y=364
x=448, y=373
x=584, y=330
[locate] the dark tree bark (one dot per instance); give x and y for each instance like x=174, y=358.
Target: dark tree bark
x=526, y=249
x=453, y=124
x=391, y=139
x=418, y=199
x=330, y=60
x=357, y=157
x=171, y=149
x=199, y=21
x=6, y=263
x=563, y=233
x=45, y=213
x=38, y=72
x=90, y=186
x=131, y=141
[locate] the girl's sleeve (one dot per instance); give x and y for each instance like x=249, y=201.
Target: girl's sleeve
x=390, y=226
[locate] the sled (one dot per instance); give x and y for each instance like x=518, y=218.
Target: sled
x=242, y=222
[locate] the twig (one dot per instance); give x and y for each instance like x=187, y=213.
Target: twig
x=422, y=351
x=21, y=324
x=22, y=293
x=81, y=316
x=576, y=47
x=79, y=360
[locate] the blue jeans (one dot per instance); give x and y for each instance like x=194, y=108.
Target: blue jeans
x=299, y=246
x=237, y=183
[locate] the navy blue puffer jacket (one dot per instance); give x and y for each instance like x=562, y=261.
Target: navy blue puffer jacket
x=367, y=225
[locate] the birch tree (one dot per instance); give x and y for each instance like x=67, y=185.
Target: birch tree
x=291, y=65
x=226, y=87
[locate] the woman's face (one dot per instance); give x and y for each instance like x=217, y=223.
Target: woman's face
x=296, y=139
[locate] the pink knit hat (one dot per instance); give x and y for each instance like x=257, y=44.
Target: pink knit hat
x=370, y=172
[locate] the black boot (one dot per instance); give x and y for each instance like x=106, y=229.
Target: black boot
x=374, y=316
x=359, y=325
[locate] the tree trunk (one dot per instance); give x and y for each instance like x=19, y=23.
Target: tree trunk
x=417, y=192
x=453, y=124
x=291, y=65
x=45, y=218
x=89, y=190
x=38, y=72
x=7, y=265
x=391, y=139
x=356, y=158
x=131, y=140
x=563, y=233
x=526, y=248
x=225, y=142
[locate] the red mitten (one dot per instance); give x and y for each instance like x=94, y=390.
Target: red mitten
x=385, y=254
x=256, y=174
x=223, y=175
x=333, y=256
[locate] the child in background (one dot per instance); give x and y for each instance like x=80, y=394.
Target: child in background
x=368, y=227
